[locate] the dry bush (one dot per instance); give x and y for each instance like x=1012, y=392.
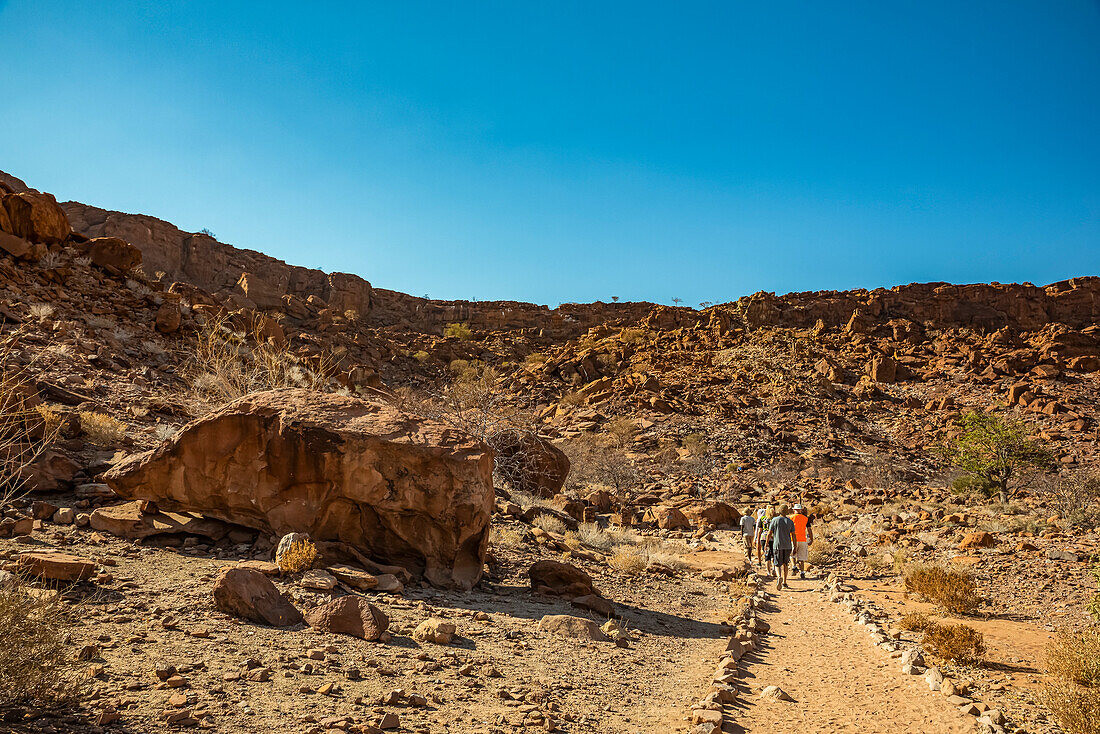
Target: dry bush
x=298, y=557
x=628, y=560
x=574, y=399
x=952, y=589
x=550, y=524
x=572, y=540
x=526, y=500
x=916, y=622
x=37, y=665
x=595, y=461
x=955, y=642
x=821, y=552
x=695, y=443
x=663, y=554
x=101, y=429
x=228, y=364
x=1075, y=657
x=25, y=431
x=1076, y=708
x=634, y=336
x=622, y=430
x=1072, y=692
x=505, y=536
x=535, y=359
x=421, y=356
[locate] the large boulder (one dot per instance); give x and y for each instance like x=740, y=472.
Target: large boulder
x=349, y=615
x=36, y=217
x=398, y=488
x=247, y=593
x=530, y=463
x=112, y=253
x=560, y=579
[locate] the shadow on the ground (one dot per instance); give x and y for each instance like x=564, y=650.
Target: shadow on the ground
x=520, y=601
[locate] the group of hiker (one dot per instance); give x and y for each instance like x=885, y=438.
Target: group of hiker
x=776, y=536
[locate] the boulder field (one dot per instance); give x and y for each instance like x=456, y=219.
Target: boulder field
x=395, y=487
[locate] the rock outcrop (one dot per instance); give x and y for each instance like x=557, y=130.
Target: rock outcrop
x=397, y=488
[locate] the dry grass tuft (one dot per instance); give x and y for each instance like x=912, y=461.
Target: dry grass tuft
x=916, y=622
x=505, y=536
x=631, y=561
x=298, y=557
x=102, y=429
x=37, y=665
x=952, y=589
x=955, y=642
x=550, y=524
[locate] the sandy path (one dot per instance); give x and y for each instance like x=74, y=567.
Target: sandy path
x=839, y=680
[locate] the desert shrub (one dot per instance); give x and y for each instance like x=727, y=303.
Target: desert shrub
x=298, y=557
x=1072, y=689
x=101, y=429
x=550, y=524
x=628, y=560
x=915, y=622
x=573, y=399
x=227, y=364
x=1075, y=657
x=952, y=589
x=572, y=540
x=37, y=664
x=527, y=500
x=421, y=356
x=622, y=430
x=901, y=560
x=534, y=359
x=505, y=536
x=955, y=642
x=593, y=460
x=1094, y=604
x=663, y=554
x=458, y=330
x=163, y=431
x=821, y=552
x=459, y=366
x=634, y=336
x=1076, y=708
x=696, y=443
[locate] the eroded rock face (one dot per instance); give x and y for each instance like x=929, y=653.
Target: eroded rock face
x=400, y=489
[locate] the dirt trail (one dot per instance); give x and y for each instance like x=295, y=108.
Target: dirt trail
x=839, y=680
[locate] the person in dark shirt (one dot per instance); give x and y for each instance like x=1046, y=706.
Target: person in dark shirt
x=781, y=537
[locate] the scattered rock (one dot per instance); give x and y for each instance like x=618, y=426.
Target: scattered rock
x=349, y=615
x=250, y=594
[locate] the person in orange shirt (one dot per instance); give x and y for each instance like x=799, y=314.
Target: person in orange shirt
x=803, y=536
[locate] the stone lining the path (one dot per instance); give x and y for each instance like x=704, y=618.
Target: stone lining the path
x=709, y=714
x=911, y=655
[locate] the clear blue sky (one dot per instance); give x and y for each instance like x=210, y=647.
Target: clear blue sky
x=561, y=151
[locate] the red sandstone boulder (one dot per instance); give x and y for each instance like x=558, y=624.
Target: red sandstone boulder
x=169, y=317
x=244, y=592
x=398, y=488
x=349, y=615
x=560, y=579
x=667, y=518
x=112, y=253
x=17, y=247
x=56, y=566
x=713, y=513
x=977, y=539
x=36, y=217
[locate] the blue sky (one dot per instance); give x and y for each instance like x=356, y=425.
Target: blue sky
x=573, y=151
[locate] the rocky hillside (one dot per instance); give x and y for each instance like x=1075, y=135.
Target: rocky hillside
x=508, y=589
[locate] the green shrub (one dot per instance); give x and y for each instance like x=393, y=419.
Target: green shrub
x=458, y=330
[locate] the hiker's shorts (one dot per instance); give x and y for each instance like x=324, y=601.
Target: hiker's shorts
x=750, y=543
x=782, y=556
x=801, y=550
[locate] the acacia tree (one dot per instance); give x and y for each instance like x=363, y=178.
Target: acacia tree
x=998, y=457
